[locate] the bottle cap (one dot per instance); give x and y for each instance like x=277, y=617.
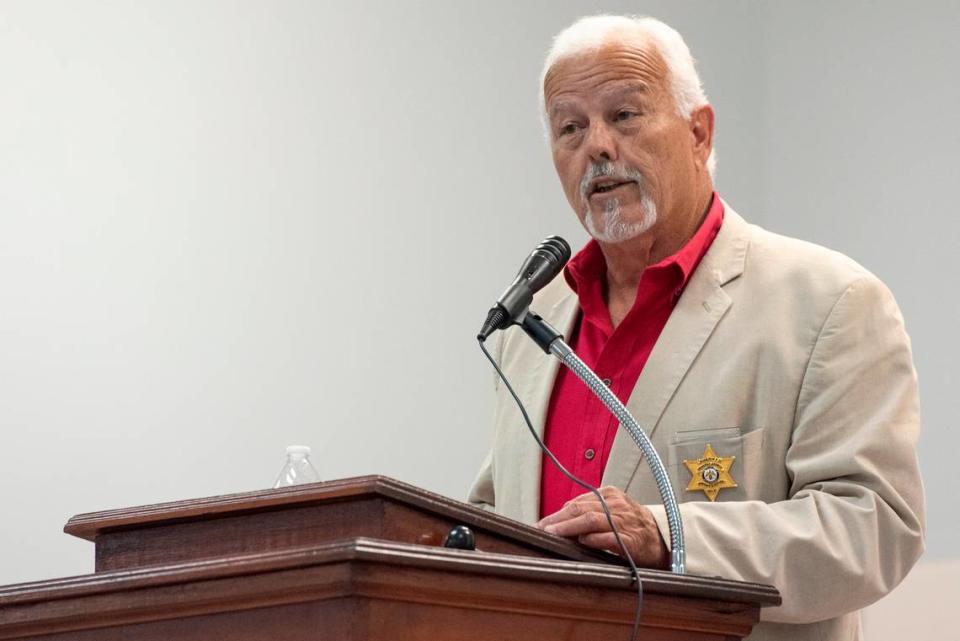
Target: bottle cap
x=298, y=449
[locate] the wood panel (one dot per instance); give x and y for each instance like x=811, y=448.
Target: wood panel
x=286, y=518
x=368, y=589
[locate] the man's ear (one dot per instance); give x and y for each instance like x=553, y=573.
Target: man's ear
x=701, y=128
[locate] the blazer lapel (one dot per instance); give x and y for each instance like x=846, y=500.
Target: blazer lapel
x=691, y=323
x=535, y=392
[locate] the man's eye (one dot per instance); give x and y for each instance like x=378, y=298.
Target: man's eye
x=625, y=114
x=567, y=129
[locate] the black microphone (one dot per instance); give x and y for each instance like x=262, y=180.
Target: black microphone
x=543, y=264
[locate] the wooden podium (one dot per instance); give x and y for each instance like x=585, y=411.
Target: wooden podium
x=353, y=560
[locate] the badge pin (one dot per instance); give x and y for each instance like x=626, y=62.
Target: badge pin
x=710, y=474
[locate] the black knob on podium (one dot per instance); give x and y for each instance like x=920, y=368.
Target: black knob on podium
x=460, y=538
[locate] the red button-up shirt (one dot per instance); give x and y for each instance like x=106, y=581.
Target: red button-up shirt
x=579, y=429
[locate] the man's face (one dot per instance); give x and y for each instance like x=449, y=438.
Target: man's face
x=623, y=153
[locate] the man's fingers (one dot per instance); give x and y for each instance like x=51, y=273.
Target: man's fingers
x=610, y=492
x=601, y=541
x=586, y=502
x=574, y=507
x=583, y=518
x=560, y=515
x=583, y=524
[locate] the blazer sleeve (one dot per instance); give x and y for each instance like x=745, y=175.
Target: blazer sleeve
x=481, y=493
x=853, y=524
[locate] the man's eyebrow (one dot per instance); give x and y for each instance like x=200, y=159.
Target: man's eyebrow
x=559, y=106
x=619, y=91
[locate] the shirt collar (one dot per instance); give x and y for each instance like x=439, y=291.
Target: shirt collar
x=587, y=269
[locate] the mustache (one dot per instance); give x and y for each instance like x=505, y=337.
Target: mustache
x=607, y=169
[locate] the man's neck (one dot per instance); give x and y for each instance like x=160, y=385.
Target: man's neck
x=627, y=261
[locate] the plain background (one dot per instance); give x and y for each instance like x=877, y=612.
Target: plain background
x=226, y=227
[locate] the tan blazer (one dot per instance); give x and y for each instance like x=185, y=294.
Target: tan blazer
x=793, y=359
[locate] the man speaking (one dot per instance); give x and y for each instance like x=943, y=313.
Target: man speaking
x=774, y=377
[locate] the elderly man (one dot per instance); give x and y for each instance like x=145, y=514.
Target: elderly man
x=774, y=377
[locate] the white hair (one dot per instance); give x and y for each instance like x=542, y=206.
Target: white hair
x=589, y=34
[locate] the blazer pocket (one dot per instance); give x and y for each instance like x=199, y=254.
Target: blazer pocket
x=715, y=464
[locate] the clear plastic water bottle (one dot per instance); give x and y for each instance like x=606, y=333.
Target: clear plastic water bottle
x=298, y=469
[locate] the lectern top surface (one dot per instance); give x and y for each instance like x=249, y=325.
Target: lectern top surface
x=90, y=525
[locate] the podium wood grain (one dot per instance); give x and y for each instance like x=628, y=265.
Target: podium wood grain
x=356, y=560
x=268, y=520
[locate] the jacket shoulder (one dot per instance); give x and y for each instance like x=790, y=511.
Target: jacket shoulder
x=774, y=260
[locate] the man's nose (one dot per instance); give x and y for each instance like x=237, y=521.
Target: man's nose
x=601, y=144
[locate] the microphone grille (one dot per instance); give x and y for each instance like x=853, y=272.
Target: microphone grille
x=557, y=248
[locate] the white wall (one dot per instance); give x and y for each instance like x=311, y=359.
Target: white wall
x=230, y=226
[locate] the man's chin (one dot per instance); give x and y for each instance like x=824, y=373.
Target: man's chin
x=611, y=229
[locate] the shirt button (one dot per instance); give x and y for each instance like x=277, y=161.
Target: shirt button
x=607, y=382
x=589, y=454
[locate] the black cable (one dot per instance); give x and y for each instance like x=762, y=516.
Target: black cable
x=606, y=509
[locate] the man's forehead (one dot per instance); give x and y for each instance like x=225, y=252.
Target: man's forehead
x=613, y=90
x=612, y=69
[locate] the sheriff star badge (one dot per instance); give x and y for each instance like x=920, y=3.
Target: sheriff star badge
x=711, y=473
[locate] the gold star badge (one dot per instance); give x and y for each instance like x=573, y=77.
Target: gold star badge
x=710, y=473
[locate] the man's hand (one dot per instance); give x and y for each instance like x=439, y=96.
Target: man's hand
x=583, y=518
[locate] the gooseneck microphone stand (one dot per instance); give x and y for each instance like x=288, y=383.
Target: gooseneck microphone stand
x=513, y=307
x=551, y=342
